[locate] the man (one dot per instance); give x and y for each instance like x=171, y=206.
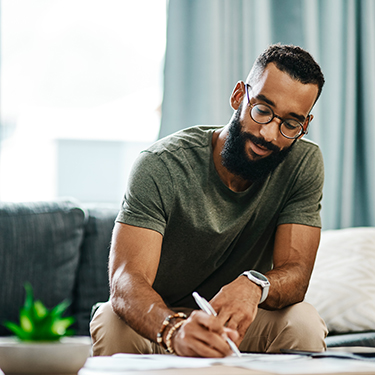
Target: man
x=209, y=203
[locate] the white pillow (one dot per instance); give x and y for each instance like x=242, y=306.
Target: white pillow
x=342, y=286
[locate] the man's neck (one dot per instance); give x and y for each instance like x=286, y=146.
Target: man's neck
x=234, y=182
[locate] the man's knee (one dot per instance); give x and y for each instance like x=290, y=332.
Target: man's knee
x=295, y=327
x=111, y=335
x=300, y=327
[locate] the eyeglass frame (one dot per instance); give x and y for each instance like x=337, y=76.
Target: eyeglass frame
x=302, y=132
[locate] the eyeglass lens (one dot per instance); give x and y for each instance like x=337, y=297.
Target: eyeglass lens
x=263, y=114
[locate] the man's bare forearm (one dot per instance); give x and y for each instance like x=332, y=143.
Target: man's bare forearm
x=288, y=286
x=134, y=301
x=294, y=256
x=133, y=264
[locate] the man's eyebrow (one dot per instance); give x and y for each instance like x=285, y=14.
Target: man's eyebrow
x=265, y=99
x=300, y=118
x=262, y=97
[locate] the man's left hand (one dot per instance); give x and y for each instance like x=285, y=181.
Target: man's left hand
x=236, y=304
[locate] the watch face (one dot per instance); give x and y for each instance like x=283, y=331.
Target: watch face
x=259, y=276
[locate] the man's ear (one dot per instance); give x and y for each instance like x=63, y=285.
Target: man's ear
x=237, y=95
x=306, y=124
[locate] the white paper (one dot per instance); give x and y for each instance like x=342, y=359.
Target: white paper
x=308, y=365
x=133, y=362
x=276, y=363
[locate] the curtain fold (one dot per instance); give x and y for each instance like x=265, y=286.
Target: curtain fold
x=209, y=46
x=212, y=44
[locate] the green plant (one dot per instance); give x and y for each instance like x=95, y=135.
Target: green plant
x=37, y=323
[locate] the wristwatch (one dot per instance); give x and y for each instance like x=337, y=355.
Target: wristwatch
x=259, y=279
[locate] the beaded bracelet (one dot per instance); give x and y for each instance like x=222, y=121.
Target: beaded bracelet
x=159, y=336
x=168, y=339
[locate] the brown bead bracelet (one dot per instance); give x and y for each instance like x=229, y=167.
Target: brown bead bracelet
x=167, y=320
x=168, y=339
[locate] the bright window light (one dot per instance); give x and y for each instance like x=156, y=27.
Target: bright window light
x=78, y=78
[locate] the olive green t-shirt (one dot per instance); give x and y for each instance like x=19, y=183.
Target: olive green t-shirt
x=212, y=234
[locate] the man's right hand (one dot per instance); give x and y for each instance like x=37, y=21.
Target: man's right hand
x=203, y=335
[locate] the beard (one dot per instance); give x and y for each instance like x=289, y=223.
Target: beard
x=236, y=160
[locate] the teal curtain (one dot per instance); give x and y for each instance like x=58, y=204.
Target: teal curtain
x=212, y=44
x=209, y=46
x=1, y=125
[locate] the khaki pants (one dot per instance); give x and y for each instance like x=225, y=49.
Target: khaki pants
x=295, y=327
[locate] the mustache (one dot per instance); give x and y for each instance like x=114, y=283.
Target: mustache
x=261, y=142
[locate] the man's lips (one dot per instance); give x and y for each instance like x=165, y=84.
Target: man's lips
x=259, y=150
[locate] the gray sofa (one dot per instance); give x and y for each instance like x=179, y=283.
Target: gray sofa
x=61, y=247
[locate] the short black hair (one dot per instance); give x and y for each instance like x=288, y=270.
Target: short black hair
x=293, y=60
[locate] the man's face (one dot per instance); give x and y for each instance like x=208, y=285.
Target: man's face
x=236, y=159
x=253, y=150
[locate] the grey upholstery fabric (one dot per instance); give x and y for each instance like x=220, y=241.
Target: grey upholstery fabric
x=351, y=339
x=38, y=244
x=61, y=248
x=92, y=276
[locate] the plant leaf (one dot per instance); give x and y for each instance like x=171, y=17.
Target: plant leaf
x=59, y=309
x=38, y=323
x=40, y=310
x=26, y=321
x=17, y=330
x=29, y=300
x=59, y=326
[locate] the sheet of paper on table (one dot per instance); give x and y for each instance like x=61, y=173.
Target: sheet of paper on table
x=276, y=363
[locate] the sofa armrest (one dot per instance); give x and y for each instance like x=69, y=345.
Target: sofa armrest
x=92, y=276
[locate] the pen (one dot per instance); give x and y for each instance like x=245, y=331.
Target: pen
x=207, y=308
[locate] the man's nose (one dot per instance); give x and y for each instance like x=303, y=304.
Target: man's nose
x=271, y=131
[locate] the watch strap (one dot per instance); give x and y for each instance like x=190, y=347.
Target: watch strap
x=261, y=280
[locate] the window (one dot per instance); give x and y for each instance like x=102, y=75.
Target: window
x=81, y=91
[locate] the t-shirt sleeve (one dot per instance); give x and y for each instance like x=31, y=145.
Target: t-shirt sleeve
x=148, y=195
x=304, y=201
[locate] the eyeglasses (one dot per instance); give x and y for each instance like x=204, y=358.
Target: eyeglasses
x=263, y=114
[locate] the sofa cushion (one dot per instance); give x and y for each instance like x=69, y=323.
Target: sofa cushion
x=39, y=243
x=342, y=286
x=351, y=339
x=92, y=276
